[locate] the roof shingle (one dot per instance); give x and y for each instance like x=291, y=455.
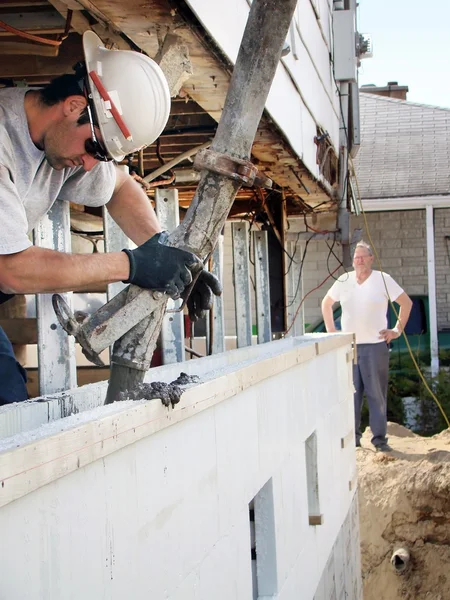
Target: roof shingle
x=405, y=148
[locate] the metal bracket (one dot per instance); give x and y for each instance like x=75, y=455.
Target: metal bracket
x=234, y=168
x=73, y=327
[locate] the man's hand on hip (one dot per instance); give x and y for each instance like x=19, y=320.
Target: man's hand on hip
x=389, y=334
x=156, y=266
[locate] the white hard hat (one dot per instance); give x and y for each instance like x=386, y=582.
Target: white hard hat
x=130, y=94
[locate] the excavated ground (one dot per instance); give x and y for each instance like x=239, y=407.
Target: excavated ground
x=404, y=499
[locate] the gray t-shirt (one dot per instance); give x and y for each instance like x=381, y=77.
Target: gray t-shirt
x=29, y=185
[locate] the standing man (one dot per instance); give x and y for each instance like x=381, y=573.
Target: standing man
x=60, y=143
x=364, y=295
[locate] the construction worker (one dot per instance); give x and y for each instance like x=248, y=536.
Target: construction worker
x=60, y=142
x=364, y=295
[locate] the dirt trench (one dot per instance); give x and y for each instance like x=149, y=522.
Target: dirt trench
x=404, y=500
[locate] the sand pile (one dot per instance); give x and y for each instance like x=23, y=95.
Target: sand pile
x=404, y=499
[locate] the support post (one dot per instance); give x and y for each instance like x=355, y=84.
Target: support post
x=294, y=291
x=172, y=331
x=262, y=285
x=115, y=241
x=243, y=308
x=343, y=218
x=258, y=58
x=56, y=350
x=218, y=317
x=434, y=347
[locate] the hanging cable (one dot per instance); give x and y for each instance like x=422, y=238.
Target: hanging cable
x=36, y=38
x=304, y=298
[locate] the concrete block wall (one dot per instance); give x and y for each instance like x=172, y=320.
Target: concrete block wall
x=442, y=256
x=134, y=500
x=319, y=263
x=400, y=239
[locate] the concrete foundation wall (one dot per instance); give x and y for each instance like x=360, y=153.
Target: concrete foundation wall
x=135, y=500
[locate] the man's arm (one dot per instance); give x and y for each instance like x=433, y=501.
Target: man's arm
x=327, y=313
x=39, y=270
x=405, y=303
x=131, y=209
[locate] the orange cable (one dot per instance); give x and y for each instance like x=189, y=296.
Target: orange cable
x=29, y=36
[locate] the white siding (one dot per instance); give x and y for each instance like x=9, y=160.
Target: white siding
x=303, y=91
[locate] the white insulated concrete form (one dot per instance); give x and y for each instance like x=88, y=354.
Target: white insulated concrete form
x=253, y=472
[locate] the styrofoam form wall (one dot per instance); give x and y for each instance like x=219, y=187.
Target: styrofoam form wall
x=225, y=22
x=161, y=511
x=27, y=416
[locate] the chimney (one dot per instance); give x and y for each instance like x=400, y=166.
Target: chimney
x=391, y=90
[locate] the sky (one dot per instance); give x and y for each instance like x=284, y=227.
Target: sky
x=411, y=45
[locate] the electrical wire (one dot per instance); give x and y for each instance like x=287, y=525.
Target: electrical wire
x=359, y=199
x=291, y=258
x=304, y=298
x=300, y=273
x=341, y=264
x=36, y=38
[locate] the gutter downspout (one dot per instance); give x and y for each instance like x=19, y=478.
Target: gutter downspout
x=431, y=263
x=343, y=215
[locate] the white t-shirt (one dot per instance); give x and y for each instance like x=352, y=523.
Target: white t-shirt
x=29, y=185
x=364, y=306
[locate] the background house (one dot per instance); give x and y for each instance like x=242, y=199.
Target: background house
x=402, y=176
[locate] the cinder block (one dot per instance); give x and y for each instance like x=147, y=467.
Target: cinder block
x=419, y=270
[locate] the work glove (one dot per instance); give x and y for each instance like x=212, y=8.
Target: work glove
x=5, y=297
x=201, y=297
x=156, y=266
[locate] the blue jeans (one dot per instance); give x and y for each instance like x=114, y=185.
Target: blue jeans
x=370, y=375
x=12, y=375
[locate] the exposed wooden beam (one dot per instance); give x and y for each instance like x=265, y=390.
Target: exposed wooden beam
x=45, y=68
x=209, y=83
x=25, y=48
x=23, y=3
x=29, y=21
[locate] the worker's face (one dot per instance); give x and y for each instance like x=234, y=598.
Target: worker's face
x=362, y=260
x=65, y=141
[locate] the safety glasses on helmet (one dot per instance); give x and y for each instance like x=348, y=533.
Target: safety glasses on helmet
x=92, y=145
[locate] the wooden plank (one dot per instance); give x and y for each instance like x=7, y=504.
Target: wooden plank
x=316, y=519
x=30, y=21
x=23, y=3
x=20, y=330
x=45, y=67
x=22, y=48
